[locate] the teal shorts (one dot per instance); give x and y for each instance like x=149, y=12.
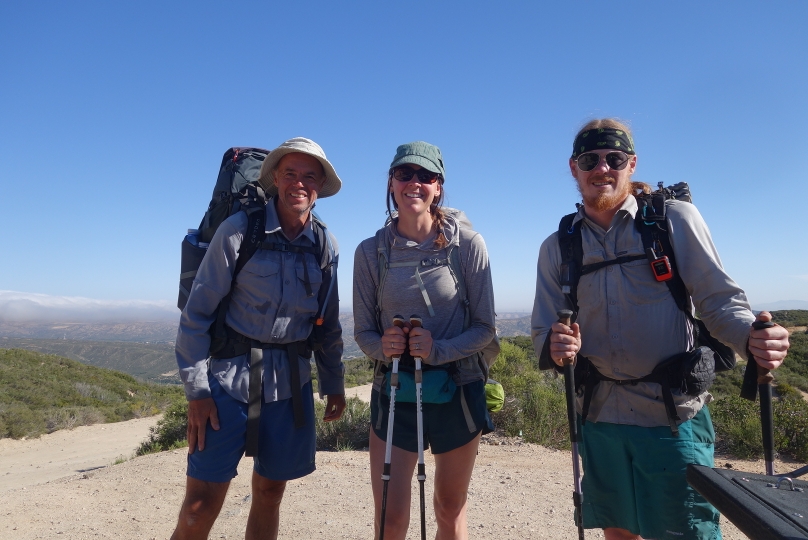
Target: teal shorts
x=634, y=479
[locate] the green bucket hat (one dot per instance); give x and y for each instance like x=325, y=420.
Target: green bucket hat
x=420, y=153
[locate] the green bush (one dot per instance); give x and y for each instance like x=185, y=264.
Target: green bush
x=20, y=421
x=351, y=432
x=791, y=317
x=170, y=431
x=738, y=430
x=71, y=417
x=535, y=406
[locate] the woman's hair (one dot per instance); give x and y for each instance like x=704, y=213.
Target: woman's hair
x=438, y=215
x=615, y=123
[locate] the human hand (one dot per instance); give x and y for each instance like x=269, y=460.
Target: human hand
x=199, y=412
x=394, y=340
x=565, y=342
x=421, y=342
x=769, y=346
x=334, y=406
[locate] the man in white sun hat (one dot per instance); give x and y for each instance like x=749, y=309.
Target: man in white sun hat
x=283, y=307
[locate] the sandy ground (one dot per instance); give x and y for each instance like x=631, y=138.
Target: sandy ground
x=67, y=485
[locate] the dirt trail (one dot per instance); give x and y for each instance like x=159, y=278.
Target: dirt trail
x=517, y=491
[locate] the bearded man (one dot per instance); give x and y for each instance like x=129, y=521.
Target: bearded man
x=637, y=438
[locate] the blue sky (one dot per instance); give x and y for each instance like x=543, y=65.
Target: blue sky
x=115, y=115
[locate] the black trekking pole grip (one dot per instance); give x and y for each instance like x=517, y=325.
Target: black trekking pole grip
x=758, y=379
x=565, y=318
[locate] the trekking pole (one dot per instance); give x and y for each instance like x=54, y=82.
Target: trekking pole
x=565, y=317
x=398, y=320
x=760, y=380
x=415, y=322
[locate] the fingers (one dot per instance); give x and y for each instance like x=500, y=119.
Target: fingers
x=420, y=342
x=394, y=341
x=335, y=405
x=769, y=346
x=199, y=412
x=565, y=342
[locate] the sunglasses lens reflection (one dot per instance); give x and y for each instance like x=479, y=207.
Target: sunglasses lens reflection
x=587, y=162
x=617, y=160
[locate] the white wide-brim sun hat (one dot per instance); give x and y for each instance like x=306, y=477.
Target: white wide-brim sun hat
x=304, y=146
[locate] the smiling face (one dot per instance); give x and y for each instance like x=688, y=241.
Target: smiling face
x=299, y=178
x=414, y=196
x=604, y=188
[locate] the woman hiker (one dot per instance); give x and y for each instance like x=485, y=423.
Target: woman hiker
x=416, y=242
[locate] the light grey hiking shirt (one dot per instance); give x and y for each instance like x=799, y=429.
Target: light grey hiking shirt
x=269, y=304
x=402, y=296
x=629, y=321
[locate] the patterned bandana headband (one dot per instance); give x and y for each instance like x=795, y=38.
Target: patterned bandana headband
x=600, y=138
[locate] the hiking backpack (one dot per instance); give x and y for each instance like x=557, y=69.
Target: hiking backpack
x=237, y=189
x=686, y=371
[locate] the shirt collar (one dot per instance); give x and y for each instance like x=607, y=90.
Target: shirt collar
x=273, y=224
x=629, y=207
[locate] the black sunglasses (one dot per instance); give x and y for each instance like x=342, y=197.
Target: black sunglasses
x=615, y=160
x=405, y=174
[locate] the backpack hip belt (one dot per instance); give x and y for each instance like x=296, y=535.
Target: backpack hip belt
x=238, y=344
x=592, y=377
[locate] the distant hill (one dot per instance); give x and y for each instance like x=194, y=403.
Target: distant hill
x=144, y=331
x=147, y=361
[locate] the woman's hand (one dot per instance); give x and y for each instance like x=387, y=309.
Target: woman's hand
x=394, y=340
x=421, y=343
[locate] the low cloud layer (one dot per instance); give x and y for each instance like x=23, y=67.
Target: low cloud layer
x=32, y=307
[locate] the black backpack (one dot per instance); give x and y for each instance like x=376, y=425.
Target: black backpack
x=237, y=189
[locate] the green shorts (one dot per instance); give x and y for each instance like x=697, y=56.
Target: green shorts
x=634, y=479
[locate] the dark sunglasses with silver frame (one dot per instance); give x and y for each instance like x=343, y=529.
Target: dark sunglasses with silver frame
x=405, y=174
x=615, y=160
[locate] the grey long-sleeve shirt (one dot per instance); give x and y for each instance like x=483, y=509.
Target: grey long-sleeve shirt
x=629, y=321
x=269, y=304
x=402, y=296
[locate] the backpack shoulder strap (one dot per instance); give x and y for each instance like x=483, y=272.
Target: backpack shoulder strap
x=572, y=255
x=383, y=259
x=457, y=270
x=651, y=222
x=328, y=260
x=253, y=236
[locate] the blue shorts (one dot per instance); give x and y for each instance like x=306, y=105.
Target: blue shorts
x=634, y=479
x=284, y=453
x=445, y=425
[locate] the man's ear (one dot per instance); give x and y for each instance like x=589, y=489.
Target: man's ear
x=573, y=168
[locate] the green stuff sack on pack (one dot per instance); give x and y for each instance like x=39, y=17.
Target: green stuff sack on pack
x=494, y=396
